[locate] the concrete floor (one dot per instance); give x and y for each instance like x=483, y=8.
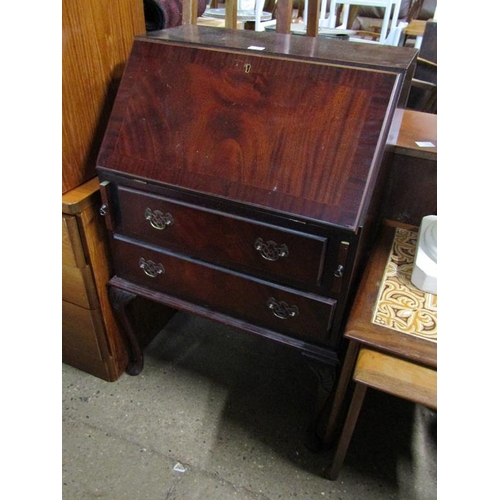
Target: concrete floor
x=219, y=414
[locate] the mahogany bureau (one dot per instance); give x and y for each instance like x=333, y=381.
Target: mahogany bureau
x=240, y=178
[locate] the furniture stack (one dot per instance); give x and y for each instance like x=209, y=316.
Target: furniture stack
x=96, y=42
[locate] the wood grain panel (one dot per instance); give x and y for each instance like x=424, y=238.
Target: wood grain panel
x=245, y=135
x=397, y=377
x=97, y=36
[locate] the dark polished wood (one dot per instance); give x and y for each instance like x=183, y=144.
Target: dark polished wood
x=241, y=134
x=234, y=242
x=243, y=185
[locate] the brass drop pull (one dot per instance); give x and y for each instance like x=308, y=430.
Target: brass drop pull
x=158, y=219
x=270, y=250
x=281, y=309
x=339, y=271
x=151, y=268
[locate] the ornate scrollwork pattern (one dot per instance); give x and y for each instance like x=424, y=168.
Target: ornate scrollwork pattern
x=281, y=309
x=158, y=219
x=270, y=249
x=151, y=268
x=401, y=306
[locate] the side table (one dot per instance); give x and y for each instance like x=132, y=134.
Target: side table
x=392, y=333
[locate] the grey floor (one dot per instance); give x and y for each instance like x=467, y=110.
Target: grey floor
x=219, y=414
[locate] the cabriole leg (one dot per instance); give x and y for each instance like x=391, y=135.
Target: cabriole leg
x=120, y=300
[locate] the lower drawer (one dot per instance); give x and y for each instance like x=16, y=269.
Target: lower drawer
x=83, y=329
x=83, y=342
x=277, y=308
x=78, y=287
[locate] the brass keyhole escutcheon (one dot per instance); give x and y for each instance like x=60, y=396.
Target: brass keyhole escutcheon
x=248, y=68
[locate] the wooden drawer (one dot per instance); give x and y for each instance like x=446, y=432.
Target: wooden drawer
x=72, y=249
x=221, y=239
x=277, y=308
x=83, y=329
x=78, y=287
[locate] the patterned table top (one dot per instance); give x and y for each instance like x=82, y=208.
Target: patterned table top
x=400, y=305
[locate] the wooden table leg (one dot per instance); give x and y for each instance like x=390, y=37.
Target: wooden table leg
x=337, y=405
x=347, y=431
x=120, y=300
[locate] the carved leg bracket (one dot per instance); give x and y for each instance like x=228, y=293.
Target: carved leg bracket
x=120, y=300
x=326, y=375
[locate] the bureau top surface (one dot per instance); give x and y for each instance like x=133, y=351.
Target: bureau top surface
x=281, y=45
x=300, y=135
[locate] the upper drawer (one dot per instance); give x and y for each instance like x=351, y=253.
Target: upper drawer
x=278, y=308
x=215, y=237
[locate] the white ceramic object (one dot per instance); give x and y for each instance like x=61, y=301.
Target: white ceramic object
x=424, y=275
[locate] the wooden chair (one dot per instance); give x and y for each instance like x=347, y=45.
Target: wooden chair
x=283, y=14
x=340, y=14
x=423, y=93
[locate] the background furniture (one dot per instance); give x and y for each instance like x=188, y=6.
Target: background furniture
x=392, y=340
x=423, y=94
x=414, y=30
x=338, y=15
x=97, y=38
x=164, y=14
x=368, y=18
x=257, y=17
x=91, y=339
x=411, y=163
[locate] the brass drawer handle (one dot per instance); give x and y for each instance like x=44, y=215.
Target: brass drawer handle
x=151, y=268
x=281, y=309
x=158, y=219
x=270, y=250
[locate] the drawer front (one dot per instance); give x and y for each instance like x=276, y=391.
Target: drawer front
x=78, y=287
x=83, y=329
x=72, y=249
x=224, y=240
x=280, y=309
